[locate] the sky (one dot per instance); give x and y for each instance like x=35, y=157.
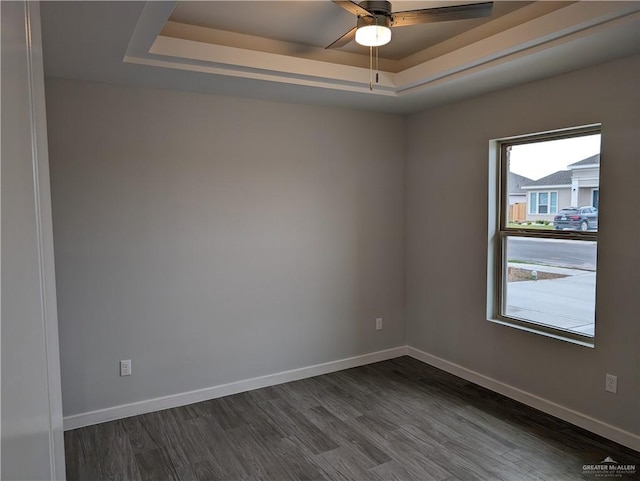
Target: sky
x=543, y=158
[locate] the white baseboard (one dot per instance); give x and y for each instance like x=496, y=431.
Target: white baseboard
x=586, y=422
x=183, y=399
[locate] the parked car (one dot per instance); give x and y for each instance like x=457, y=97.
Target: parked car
x=576, y=218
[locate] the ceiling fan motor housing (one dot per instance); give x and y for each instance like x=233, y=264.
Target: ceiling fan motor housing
x=377, y=19
x=379, y=7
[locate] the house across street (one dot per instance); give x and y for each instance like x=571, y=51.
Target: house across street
x=577, y=186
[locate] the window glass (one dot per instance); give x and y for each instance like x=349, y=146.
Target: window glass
x=542, y=203
x=551, y=283
x=534, y=203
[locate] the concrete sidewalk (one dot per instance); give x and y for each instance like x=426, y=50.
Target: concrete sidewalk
x=566, y=303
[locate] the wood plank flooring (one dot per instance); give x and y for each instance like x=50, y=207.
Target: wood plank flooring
x=394, y=420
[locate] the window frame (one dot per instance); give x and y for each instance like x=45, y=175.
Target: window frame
x=499, y=232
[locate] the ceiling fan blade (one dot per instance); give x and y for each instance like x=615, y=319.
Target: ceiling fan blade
x=441, y=14
x=352, y=7
x=345, y=39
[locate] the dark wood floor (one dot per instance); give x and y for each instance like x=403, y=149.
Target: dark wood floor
x=394, y=420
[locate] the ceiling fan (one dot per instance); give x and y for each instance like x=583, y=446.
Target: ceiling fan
x=375, y=19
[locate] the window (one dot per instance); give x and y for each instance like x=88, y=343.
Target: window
x=542, y=270
x=543, y=202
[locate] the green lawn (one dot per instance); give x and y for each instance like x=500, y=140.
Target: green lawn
x=515, y=225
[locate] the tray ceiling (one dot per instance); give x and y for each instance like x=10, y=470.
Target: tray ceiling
x=275, y=49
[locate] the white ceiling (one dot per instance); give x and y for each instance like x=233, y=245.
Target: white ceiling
x=275, y=50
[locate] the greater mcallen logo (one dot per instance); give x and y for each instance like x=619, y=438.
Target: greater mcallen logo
x=609, y=468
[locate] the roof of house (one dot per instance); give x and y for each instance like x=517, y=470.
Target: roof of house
x=516, y=181
x=594, y=159
x=562, y=177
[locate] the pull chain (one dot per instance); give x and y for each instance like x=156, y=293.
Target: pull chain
x=370, y=68
x=377, y=68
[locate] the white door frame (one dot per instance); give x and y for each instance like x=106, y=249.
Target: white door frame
x=26, y=16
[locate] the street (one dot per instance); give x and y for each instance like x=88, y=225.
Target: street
x=561, y=253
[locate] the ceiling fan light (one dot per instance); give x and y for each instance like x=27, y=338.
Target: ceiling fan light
x=373, y=31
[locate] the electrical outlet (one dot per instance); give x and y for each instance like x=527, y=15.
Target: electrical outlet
x=378, y=324
x=611, y=383
x=125, y=367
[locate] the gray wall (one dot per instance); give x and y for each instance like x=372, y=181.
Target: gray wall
x=31, y=425
x=212, y=239
x=447, y=240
